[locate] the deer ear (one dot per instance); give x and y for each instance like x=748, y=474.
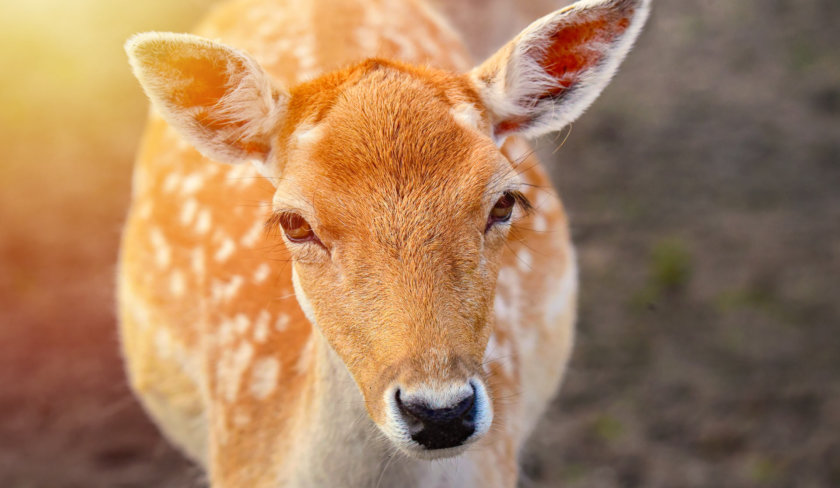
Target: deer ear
x=217, y=97
x=550, y=73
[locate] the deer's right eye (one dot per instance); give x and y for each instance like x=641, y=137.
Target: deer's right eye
x=296, y=228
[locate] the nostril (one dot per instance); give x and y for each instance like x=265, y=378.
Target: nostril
x=414, y=424
x=467, y=407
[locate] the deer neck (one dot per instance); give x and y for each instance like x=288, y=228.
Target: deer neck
x=338, y=444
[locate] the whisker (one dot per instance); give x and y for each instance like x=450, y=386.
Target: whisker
x=382, y=473
x=563, y=143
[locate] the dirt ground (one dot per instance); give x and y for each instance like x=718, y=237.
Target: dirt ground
x=704, y=194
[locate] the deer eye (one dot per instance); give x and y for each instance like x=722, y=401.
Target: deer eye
x=296, y=228
x=502, y=211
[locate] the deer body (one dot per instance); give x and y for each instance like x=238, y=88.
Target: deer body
x=266, y=357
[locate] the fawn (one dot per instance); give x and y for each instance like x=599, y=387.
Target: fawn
x=414, y=296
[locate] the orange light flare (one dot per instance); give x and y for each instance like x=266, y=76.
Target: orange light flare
x=70, y=121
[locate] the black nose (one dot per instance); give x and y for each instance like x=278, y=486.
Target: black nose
x=439, y=428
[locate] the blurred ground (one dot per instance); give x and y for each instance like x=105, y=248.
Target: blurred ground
x=704, y=191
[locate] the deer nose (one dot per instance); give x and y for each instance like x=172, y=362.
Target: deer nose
x=438, y=428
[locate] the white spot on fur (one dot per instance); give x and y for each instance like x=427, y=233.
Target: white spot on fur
x=231, y=368
x=261, y=326
x=282, y=322
x=233, y=286
x=202, y=223
x=407, y=49
x=558, y=300
x=264, y=29
x=163, y=253
x=163, y=343
x=517, y=150
x=225, y=291
x=253, y=235
x=491, y=352
x=261, y=273
x=524, y=260
x=540, y=223
x=367, y=39
x=188, y=211
x=192, y=183
x=226, y=333
x=145, y=209
x=225, y=251
x=501, y=308
x=177, y=284
x=508, y=299
x=171, y=182
x=466, y=115
x=183, y=145
x=499, y=352
x=138, y=310
x=386, y=24
x=446, y=35
x=240, y=175
x=197, y=261
x=212, y=168
x=264, y=376
x=307, y=135
x=241, y=323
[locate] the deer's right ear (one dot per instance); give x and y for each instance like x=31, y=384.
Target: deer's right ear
x=551, y=72
x=217, y=97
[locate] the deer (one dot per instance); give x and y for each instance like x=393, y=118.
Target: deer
x=342, y=264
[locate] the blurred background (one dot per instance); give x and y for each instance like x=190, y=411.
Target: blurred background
x=704, y=194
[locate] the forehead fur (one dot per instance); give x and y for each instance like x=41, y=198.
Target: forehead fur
x=389, y=145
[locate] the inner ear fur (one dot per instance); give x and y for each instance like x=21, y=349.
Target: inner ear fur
x=217, y=97
x=551, y=72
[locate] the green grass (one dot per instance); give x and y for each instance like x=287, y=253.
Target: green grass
x=607, y=428
x=669, y=271
x=764, y=470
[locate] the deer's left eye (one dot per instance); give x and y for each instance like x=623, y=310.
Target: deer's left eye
x=501, y=211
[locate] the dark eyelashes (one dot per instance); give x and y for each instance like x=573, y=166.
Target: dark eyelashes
x=522, y=201
x=273, y=223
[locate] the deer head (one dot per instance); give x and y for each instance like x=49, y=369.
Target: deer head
x=392, y=195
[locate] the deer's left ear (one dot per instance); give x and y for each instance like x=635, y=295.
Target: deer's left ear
x=551, y=72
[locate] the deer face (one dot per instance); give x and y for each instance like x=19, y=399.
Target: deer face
x=392, y=196
x=395, y=207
